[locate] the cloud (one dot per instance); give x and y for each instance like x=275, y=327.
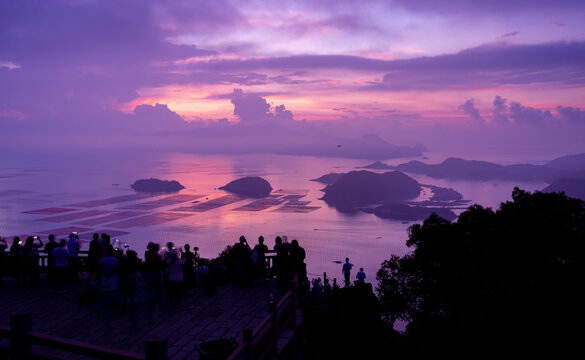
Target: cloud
x=509, y=34
x=499, y=110
x=489, y=65
x=9, y=65
x=13, y=114
x=466, y=7
x=530, y=115
x=572, y=114
x=252, y=108
x=157, y=118
x=469, y=108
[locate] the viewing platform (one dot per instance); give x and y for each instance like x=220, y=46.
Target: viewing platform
x=180, y=328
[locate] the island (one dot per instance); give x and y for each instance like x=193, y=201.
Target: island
x=329, y=179
x=456, y=168
x=390, y=195
x=153, y=185
x=406, y=212
x=364, y=187
x=250, y=186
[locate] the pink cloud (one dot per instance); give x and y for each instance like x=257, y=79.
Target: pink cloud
x=13, y=114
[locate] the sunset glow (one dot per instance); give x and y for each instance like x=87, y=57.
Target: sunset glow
x=372, y=66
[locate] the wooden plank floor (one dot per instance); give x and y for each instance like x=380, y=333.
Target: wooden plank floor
x=198, y=318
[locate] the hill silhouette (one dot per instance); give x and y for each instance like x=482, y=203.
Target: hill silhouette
x=571, y=187
x=456, y=168
x=156, y=185
x=250, y=186
x=364, y=187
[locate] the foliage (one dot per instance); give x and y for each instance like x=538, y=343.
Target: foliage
x=224, y=258
x=502, y=278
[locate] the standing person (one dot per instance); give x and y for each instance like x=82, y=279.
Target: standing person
x=188, y=268
x=361, y=276
x=175, y=276
x=128, y=270
x=346, y=271
x=276, y=266
x=110, y=280
x=49, y=247
x=30, y=260
x=285, y=265
x=297, y=254
x=152, y=269
x=3, y=259
x=73, y=247
x=61, y=258
x=15, y=256
x=260, y=258
x=241, y=255
x=93, y=258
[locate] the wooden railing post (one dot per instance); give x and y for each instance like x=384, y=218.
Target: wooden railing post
x=293, y=288
x=156, y=350
x=247, y=335
x=273, y=315
x=20, y=326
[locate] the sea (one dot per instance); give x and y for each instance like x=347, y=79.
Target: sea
x=44, y=192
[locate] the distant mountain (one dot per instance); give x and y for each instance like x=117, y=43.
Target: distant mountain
x=364, y=147
x=409, y=213
x=569, y=162
x=378, y=165
x=456, y=168
x=571, y=187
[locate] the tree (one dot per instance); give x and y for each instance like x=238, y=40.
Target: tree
x=491, y=280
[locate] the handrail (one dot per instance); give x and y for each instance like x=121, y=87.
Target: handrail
x=268, y=327
x=22, y=338
x=81, y=348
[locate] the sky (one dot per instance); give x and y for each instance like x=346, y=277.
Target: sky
x=448, y=74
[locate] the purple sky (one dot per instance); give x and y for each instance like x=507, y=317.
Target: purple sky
x=492, y=73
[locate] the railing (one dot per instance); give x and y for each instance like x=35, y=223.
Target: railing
x=22, y=338
x=261, y=341
x=82, y=260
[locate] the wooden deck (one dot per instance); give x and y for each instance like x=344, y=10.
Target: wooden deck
x=199, y=318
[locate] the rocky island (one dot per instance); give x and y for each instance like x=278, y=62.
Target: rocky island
x=364, y=187
x=390, y=195
x=250, y=186
x=153, y=185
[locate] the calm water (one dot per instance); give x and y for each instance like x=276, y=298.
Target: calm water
x=31, y=182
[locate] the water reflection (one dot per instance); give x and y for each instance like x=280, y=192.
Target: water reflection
x=54, y=180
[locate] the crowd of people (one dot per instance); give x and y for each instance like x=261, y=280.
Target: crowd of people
x=116, y=273
x=250, y=263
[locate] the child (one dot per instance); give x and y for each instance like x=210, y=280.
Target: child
x=361, y=276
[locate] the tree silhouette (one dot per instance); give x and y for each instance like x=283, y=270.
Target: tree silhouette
x=491, y=283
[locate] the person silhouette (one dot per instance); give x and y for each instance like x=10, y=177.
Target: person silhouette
x=346, y=271
x=361, y=276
